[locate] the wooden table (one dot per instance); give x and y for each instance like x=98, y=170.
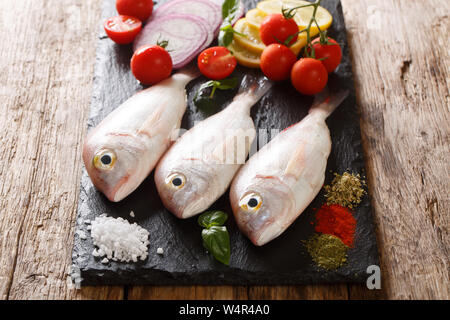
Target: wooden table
x=400, y=52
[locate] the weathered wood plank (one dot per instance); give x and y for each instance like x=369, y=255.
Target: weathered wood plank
x=312, y=292
x=47, y=54
x=401, y=64
x=360, y=292
x=188, y=293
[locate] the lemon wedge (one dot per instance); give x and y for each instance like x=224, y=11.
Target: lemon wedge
x=243, y=56
x=252, y=41
x=302, y=15
x=255, y=17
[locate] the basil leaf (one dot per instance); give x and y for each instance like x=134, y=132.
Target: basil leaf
x=225, y=37
x=205, y=104
x=212, y=218
x=229, y=9
x=225, y=84
x=217, y=241
x=203, y=87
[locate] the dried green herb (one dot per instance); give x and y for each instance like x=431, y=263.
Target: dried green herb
x=327, y=251
x=346, y=190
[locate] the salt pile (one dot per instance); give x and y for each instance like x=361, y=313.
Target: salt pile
x=119, y=240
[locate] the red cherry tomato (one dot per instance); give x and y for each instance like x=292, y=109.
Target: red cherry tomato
x=330, y=54
x=122, y=29
x=275, y=27
x=277, y=61
x=151, y=64
x=309, y=76
x=216, y=63
x=141, y=9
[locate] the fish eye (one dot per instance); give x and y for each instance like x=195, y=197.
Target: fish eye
x=176, y=180
x=104, y=160
x=251, y=202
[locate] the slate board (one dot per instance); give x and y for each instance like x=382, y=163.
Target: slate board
x=185, y=261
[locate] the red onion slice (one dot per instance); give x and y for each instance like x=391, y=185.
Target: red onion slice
x=186, y=35
x=205, y=9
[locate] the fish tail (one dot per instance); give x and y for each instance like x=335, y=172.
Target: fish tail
x=326, y=102
x=188, y=73
x=254, y=85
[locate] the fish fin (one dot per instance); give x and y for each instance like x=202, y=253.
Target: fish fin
x=326, y=103
x=190, y=72
x=152, y=125
x=254, y=85
x=296, y=163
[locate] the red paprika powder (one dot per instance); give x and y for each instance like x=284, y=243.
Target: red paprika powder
x=338, y=221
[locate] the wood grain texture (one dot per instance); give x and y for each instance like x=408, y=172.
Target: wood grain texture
x=47, y=56
x=188, y=292
x=401, y=64
x=316, y=292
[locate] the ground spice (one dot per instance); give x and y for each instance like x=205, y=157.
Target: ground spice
x=338, y=221
x=327, y=251
x=346, y=190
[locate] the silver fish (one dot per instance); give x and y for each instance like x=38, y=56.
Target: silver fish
x=124, y=148
x=277, y=184
x=200, y=165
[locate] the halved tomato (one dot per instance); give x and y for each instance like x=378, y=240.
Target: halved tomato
x=122, y=29
x=216, y=63
x=141, y=9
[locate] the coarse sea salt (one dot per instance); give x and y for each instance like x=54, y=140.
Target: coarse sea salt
x=81, y=234
x=119, y=240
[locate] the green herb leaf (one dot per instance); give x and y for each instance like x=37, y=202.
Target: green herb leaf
x=225, y=84
x=229, y=9
x=205, y=104
x=229, y=28
x=203, y=87
x=226, y=35
x=225, y=38
x=217, y=241
x=212, y=218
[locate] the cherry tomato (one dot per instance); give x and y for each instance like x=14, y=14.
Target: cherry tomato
x=275, y=27
x=216, y=63
x=151, y=64
x=122, y=29
x=330, y=54
x=141, y=9
x=309, y=76
x=277, y=61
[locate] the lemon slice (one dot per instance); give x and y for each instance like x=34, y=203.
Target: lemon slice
x=302, y=15
x=255, y=17
x=243, y=56
x=252, y=40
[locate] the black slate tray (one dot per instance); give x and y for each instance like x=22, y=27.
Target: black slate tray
x=185, y=261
